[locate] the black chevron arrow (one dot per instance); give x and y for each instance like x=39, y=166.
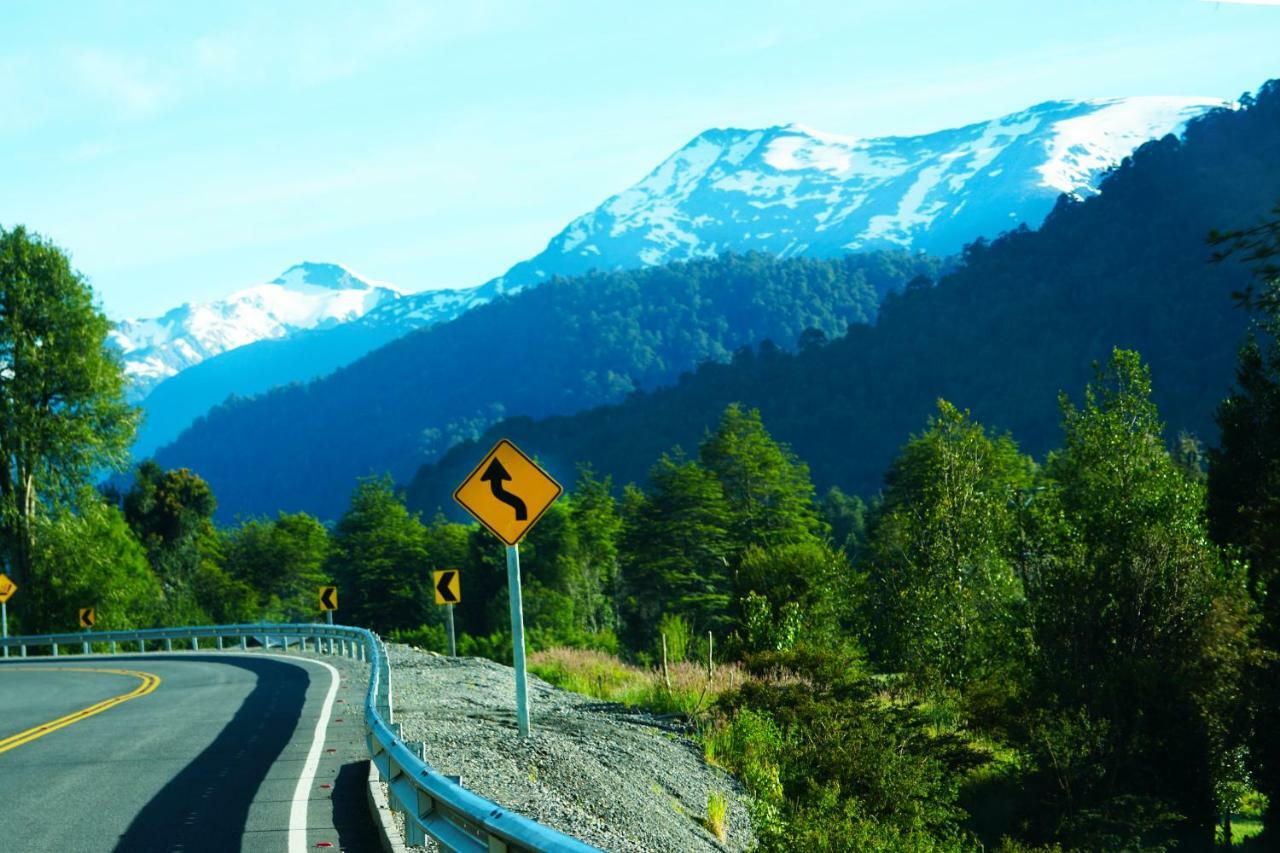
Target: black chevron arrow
x=496, y=475
x=326, y=598
x=442, y=586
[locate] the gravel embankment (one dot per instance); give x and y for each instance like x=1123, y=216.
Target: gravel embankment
x=620, y=780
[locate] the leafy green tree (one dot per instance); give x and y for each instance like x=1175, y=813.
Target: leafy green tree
x=1244, y=491
x=171, y=513
x=283, y=560
x=945, y=597
x=804, y=591
x=766, y=488
x=63, y=416
x=86, y=556
x=1140, y=628
x=380, y=560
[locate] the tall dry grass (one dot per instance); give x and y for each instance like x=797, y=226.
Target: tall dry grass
x=606, y=677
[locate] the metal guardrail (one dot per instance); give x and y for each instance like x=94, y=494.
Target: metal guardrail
x=433, y=805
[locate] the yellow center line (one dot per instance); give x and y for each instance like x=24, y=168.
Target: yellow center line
x=149, y=683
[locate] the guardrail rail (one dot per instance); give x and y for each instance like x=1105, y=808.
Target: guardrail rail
x=433, y=805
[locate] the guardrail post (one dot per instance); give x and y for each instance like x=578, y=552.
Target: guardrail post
x=244, y=642
x=168, y=644
x=113, y=647
x=22, y=650
x=84, y=647
x=219, y=640
x=195, y=644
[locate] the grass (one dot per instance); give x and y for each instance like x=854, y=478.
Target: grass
x=606, y=677
x=1242, y=829
x=717, y=809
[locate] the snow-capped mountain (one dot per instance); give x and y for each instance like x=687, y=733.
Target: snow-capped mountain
x=786, y=190
x=300, y=356
x=790, y=190
x=305, y=296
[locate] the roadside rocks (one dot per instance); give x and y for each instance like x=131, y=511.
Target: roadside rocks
x=615, y=778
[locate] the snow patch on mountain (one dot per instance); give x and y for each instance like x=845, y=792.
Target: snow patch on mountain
x=305, y=296
x=790, y=189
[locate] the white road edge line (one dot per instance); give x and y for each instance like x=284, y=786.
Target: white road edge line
x=302, y=793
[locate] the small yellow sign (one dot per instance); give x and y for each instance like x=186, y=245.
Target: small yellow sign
x=328, y=598
x=7, y=588
x=448, y=584
x=86, y=617
x=507, y=492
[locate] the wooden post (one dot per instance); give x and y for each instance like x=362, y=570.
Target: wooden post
x=711, y=665
x=666, y=675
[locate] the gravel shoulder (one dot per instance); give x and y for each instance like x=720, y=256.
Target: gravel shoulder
x=615, y=778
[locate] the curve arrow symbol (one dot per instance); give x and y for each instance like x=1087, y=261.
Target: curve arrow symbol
x=326, y=598
x=495, y=475
x=443, y=587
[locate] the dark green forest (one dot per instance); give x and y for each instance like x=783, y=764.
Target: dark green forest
x=1019, y=318
x=562, y=347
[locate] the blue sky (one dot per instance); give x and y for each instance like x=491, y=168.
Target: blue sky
x=182, y=150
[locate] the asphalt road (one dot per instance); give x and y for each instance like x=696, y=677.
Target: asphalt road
x=181, y=752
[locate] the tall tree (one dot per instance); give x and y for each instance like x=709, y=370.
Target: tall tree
x=675, y=552
x=283, y=560
x=945, y=594
x=1244, y=488
x=1140, y=627
x=380, y=559
x=171, y=513
x=63, y=415
x=766, y=488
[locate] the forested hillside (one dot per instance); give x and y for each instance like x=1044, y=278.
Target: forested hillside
x=1022, y=318
x=563, y=347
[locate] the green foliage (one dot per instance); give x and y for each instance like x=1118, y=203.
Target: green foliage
x=675, y=631
x=86, y=556
x=824, y=755
x=598, y=338
x=1244, y=495
x=171, y=513
x=945, y=599
x=63, y=416
x=675, y=552
x=1138, y=625
x=379, y=558
x=283, y=561
x=846, y=515
x=1020, y=318
x=766, y=488
x=705, y=534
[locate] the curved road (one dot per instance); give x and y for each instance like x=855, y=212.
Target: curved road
x=180, y=752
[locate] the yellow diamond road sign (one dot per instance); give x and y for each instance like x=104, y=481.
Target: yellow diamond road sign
x=507, y=492
x=328, y=598
x=448, y=586
x=7, y=588
x=86, y=617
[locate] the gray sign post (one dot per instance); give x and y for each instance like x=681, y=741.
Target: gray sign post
x=517, y=638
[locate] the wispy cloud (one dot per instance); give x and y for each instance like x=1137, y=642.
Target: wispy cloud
x=125, y=81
